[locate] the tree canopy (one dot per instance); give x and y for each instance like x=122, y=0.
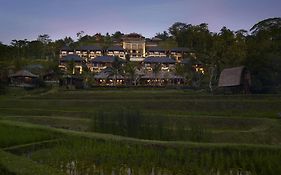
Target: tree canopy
x=258, y=49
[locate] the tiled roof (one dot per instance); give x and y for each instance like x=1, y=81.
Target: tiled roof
x=159, y=60
x=89, y=48
x=104, y=59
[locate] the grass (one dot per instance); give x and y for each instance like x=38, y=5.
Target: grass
x=165, y=131
x=14, y=135
x=109, y=152
x=157, y=102
x=110, y=155
x=187, y=128
x=11, y=164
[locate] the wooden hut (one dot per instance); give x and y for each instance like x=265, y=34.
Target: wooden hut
x=24, y=78
x=236, y=79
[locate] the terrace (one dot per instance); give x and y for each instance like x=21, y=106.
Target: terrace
x=68, y=132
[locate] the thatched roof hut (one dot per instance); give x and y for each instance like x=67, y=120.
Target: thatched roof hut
x=23, y=78
x=23, y=73
x=235, y=77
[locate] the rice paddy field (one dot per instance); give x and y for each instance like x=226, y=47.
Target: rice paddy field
x=148, y=131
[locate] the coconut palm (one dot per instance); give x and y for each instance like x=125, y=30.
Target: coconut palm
x=130, y=70
x=116, y=69
x=156, y=68
x=180, y=70
x=70, y=70
x=88, y=77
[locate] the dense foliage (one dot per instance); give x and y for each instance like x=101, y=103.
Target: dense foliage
x=259, y=50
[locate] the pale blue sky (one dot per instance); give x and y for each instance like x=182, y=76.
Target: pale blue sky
x=22, y=19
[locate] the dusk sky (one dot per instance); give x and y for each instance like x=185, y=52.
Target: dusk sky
x=26, y=19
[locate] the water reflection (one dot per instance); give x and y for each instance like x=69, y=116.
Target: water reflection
x=86, y=168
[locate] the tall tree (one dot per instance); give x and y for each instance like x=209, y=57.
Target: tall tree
x=20, y=47
x=177, y=28
x=117, y=35
x=80, y=34
x=264, y=55
x=116, y=69
x=156, y=69
x=68, y=41
x=35, y=49
x=163, y=36
x=131, y=71
x=45, y=40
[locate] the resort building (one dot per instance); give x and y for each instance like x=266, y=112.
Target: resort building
x=72, y=61
x=116, y=51
x=159, y=71
x=156, y=52
x=89, y=52
x=134, y=45
x=66, y=51
x=156, y=65
x=160, y=63
x=107, y=78
x=102, y=62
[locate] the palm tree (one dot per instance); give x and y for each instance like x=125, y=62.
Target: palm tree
x=88, y=77
x=70, y=70
x=130, y=70
x=180, y=70
x=116, y=69
x=156, y=68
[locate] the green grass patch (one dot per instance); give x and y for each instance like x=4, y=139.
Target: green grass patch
x=15, y=165
x=160, y=101
x=107, y=156
x=95, y=153
x=164, y=131
x=15, y=135
x=133, y=123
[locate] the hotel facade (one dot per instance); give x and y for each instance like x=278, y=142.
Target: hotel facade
x=134, y=48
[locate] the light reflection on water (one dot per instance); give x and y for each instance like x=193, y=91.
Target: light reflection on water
x=85, y=168
x=78, y=168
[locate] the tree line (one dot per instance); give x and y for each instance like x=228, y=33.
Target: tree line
x=259, y=49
